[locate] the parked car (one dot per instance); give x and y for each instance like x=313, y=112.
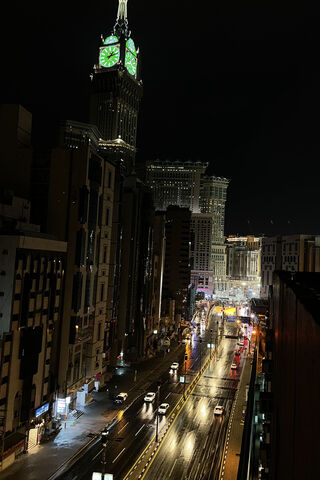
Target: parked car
x=149, y=397
x=174, y=366
x=218, y=410
x=163, y=408
x=122, y=397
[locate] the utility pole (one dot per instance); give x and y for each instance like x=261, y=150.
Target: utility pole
x=157, y=419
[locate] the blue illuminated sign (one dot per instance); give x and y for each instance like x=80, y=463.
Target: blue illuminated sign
x=42, y=409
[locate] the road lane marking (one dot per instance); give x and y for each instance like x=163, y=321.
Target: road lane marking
x=167, y=395
x=173, y=416
x=97, y=455
x=140, y=429
x=172, y=467
x=118, y=455
x=123, y=427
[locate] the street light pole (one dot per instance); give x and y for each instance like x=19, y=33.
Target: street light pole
x=185, y=373
x=216, y=343
x=157, y=422
x=104, y=436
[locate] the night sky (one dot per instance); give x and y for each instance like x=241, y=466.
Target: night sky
x=236, y=86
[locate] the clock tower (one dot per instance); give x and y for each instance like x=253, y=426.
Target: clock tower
x=116, y=87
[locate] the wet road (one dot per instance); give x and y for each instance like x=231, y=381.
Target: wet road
x=193, y=447
x=137, y=424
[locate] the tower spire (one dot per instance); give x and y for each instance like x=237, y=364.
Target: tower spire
x=122, y=11
x=121, y=26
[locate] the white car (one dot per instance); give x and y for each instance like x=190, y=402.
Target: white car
x=234, y=366
x=174, y=366
x=218, y=410
x=149, y=397
x=163, y=408
x=122, y=397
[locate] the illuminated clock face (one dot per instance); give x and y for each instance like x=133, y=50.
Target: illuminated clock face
x=131, y=63
x=131, y=46
x=109, y=56
x=111, y=39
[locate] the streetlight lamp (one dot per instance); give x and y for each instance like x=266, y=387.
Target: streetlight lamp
x=157, y=422
x=104, y=438
x=185, y=373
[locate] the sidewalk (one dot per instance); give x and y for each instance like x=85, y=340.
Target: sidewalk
x=43, y=460
x=235, y=428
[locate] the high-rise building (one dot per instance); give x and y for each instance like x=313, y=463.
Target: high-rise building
x=244, y=266
x=32, y=267
x=153, y=323
x=294, y=253
x=136, y=274
x=116, y=91
x=185, y=184
x=77, y=206
x=15, y=149
x=175, y=183
x=176, y=278
x=116, y=87
x=201, y=248
x=213, y=196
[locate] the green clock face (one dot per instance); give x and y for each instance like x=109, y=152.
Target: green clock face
x=109, y=56
x=131, y=63
x=131, y=46
x=111, y=39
